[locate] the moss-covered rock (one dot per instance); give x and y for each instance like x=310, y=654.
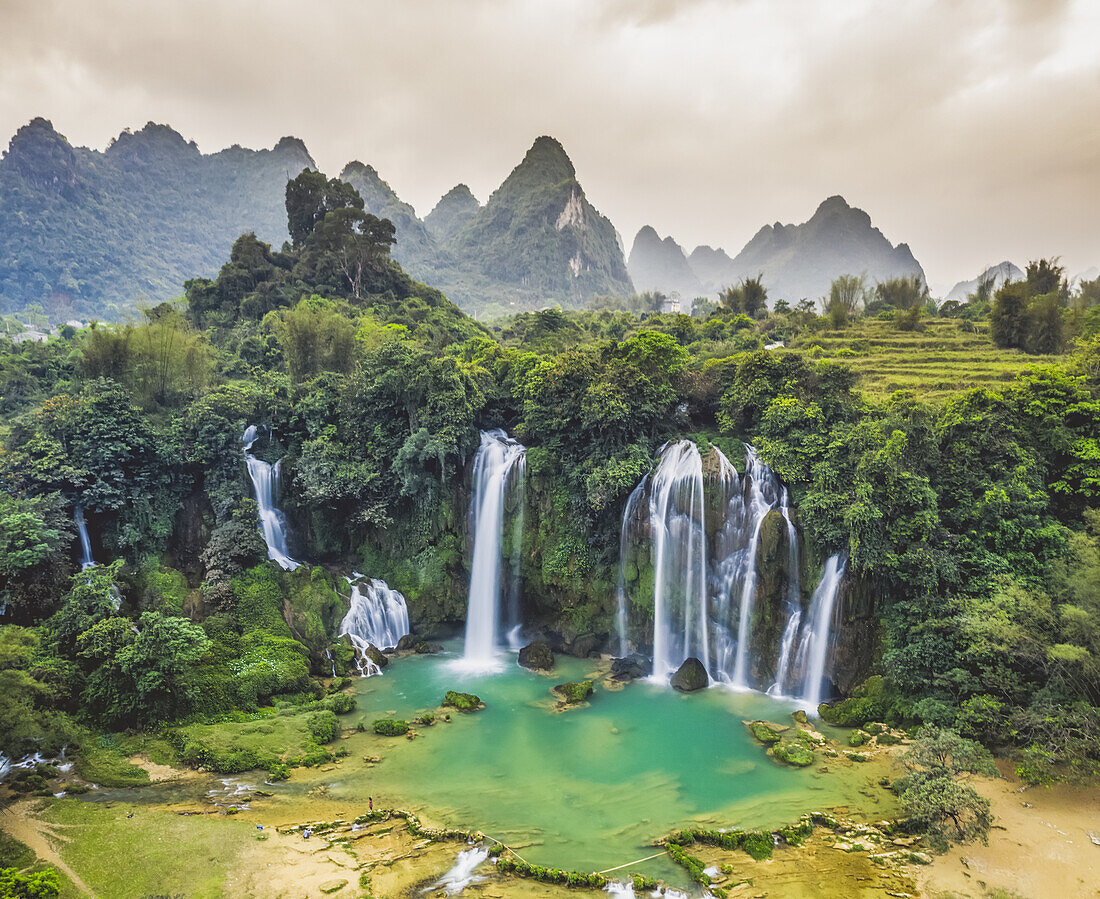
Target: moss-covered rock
x=575, y=692
x=798, y=755
x=758, y=844
x=536, y=656
x=464, y=702
x=764, y=732
x=690, y=676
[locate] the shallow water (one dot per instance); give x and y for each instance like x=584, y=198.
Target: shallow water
x=587, y=788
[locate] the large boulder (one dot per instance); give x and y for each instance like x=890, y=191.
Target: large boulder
x=537, y=656
x=629, y=667
x=690, y=676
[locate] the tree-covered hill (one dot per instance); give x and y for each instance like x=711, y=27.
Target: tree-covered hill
x=89, y=234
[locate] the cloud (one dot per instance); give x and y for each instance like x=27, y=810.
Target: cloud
x=969, y=129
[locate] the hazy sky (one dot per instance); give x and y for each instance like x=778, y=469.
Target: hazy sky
x=968, y=128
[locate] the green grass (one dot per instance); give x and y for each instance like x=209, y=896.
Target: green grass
x=150, y=854
x=230, y=746
x=937, y=362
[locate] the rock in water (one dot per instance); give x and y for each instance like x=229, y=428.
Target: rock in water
x=629, y=667
x=537, y=656
x=575, y=691
x=690, y=676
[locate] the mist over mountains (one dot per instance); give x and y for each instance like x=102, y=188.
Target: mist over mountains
x=87, y=233
x=793, y=261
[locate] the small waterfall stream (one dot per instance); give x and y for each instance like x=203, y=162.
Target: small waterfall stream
x=794, y=601
x=621, y=619
x=499, y=467
x=265, y=487
x=86, y=560
x=814, y=649
x=378, y=616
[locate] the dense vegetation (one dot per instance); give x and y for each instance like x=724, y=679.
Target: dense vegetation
x=971, y=519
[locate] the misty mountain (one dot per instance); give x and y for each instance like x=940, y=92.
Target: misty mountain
x=86, y=233
x=537, y=240
x=801, y=261
x=998, y=274
x=454, y=211
x=795, y=261
x=656, y=264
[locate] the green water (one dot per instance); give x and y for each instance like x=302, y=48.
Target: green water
x=588, y=788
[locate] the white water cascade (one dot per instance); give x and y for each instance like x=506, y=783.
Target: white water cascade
x=462, y=874
x=678, y=532
x=499, y=468
x=265, y=486
x=814, y=648
x=794, y=601
x=86, y=560
x=701, y=537
x=378, y=616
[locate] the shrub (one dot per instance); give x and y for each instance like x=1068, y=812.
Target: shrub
x=391, y=727
x=324, y=726
x=758, y=844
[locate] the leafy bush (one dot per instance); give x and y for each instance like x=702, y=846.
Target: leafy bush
x=324, y=726
x=391, y=727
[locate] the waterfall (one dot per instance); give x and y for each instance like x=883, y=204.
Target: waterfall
x=760, y=489
x=677, y=529
x=378, y=617
x=794, y=601
x=499, y=466
x=704, y=523
x=624, y=548
x=462, y=874
x=813, y=651
x=86, y=560
x=265, y=486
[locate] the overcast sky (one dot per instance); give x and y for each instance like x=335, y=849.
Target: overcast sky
x=968, y=128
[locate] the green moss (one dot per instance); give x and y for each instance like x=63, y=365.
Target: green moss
x=758, y=844
x=764, y=732
x=574, y=692
x=791, y=753
x=391, y=727
x=101, y=762
x=464, y=702
x=244, y=742
x=858, y=738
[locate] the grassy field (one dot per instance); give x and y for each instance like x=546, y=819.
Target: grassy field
x=936, y=362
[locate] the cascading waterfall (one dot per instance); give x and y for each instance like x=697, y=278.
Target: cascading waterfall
x=86, y=560
x=678, y=532
x=703, y=528
x=378, y=616
x=794, y=601
x=814, y=649
x=621, y=620
x=760, y=489
x=499, y=466
x=265, y=486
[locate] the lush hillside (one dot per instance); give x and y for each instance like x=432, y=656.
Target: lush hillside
x=88, y=234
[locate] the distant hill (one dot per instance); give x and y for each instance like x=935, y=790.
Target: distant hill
x=998, y=274
x=656, y=264
x=452, y=213
x=93, y=234
x=800, y=261
x=795, y=261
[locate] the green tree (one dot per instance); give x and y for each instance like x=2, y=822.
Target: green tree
x=847, y=295
x=935, y=793
x=310, y=197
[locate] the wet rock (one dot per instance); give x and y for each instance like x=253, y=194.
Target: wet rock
x=799, y=716
x=408, y=643
x=574, y=692
x=375, y=654
x=690, y=676
x=424, y=648
x=765, y=732
x=536, y=656
x=629, y=667
x=585, y=645
x=464, y=702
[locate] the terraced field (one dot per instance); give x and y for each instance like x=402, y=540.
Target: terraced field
x=937, y=362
